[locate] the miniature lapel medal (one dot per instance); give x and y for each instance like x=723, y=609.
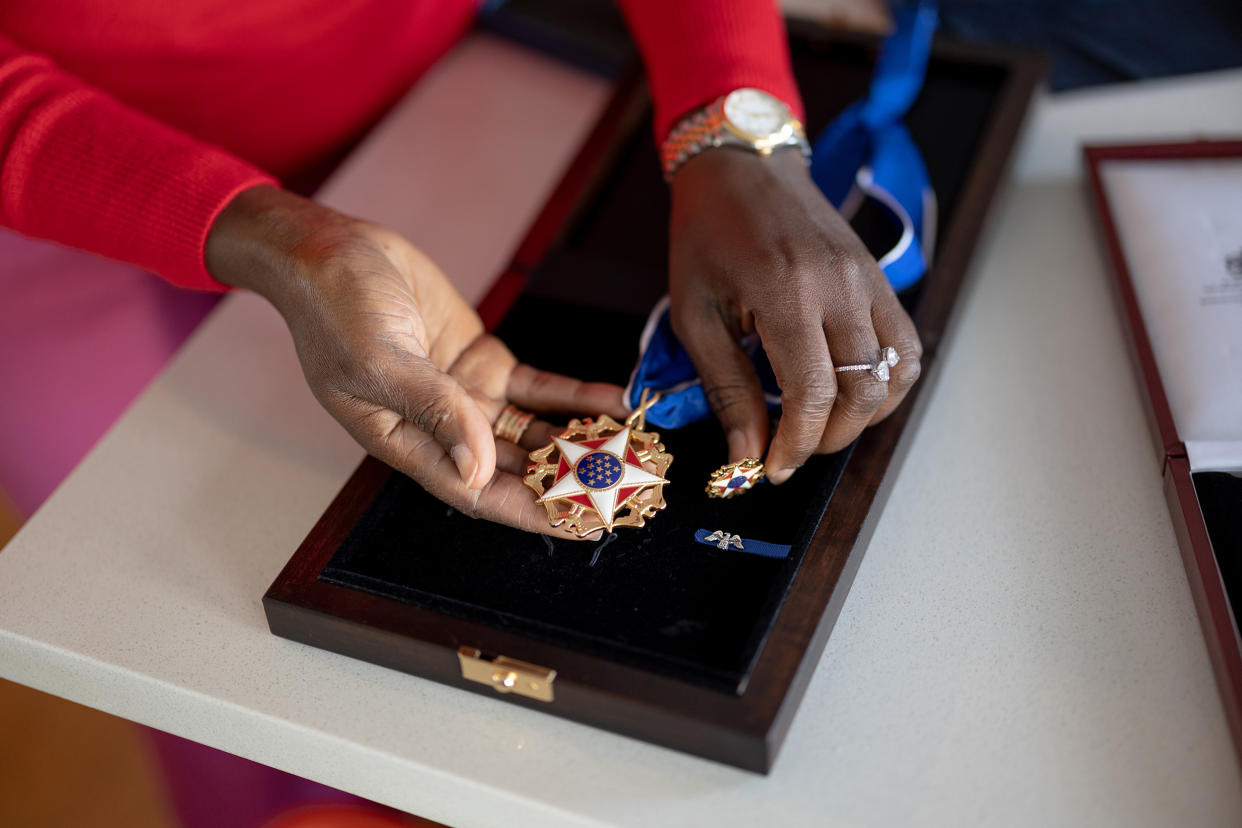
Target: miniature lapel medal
x=600, y=474
x=733, y=479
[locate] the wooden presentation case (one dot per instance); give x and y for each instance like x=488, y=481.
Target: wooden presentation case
x=966, y=123
x=1195, y=528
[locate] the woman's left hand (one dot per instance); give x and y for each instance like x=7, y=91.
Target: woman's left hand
x=755, y=247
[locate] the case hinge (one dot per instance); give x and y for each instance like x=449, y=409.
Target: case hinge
x=507, y=675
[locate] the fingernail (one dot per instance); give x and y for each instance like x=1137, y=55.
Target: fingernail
x=738, y=444
x=466, y=464
x=780, y=475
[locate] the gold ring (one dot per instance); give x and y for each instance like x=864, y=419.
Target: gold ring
x=512, y=423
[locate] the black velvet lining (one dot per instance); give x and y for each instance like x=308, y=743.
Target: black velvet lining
x=652, y=598
x=1220, y=498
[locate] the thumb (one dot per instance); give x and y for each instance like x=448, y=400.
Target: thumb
x=438, y=406
x=731, y=386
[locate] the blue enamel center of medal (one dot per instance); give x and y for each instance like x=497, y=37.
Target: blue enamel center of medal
x=598, y=470
x=737, y=482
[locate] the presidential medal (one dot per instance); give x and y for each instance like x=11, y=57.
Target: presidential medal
x=733, y=479
x=600, y=474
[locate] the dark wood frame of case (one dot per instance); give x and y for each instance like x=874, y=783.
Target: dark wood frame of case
x=1206, y=586
x=746, y=730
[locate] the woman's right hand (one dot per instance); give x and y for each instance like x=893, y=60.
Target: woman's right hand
x=395, y=354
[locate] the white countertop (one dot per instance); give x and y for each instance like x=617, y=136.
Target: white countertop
x=1019, y=646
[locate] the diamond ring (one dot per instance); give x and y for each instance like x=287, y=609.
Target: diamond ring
x=879, y=369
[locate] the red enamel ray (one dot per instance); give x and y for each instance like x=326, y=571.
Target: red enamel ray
x=594, y=443
x=623, y=494
x=582, y=500
x=562, y=469
x=631, y=457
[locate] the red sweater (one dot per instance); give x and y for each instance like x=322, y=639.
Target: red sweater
x=127, y=125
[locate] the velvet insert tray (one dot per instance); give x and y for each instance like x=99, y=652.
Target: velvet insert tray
x=649, y=632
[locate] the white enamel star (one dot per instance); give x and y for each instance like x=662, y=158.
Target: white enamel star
x=603, y=499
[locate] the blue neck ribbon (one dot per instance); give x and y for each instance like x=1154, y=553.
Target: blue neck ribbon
x=866, y=152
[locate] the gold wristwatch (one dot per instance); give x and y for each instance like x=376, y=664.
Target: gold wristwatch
x=748, y=119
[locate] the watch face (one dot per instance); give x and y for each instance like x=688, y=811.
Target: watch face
x=756, y=113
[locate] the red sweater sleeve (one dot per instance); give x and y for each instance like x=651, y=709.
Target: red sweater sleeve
x=80, y=168
x=697, y=50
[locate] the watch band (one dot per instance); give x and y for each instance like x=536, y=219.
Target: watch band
x=705, y=128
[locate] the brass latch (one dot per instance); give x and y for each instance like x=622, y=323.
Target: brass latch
x=507, y=675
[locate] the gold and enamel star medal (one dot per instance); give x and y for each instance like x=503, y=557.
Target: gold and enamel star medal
x=599, y=474
x=733, y=479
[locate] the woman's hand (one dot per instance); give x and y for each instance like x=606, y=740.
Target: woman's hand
x=756, y=247
x=392, y=351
